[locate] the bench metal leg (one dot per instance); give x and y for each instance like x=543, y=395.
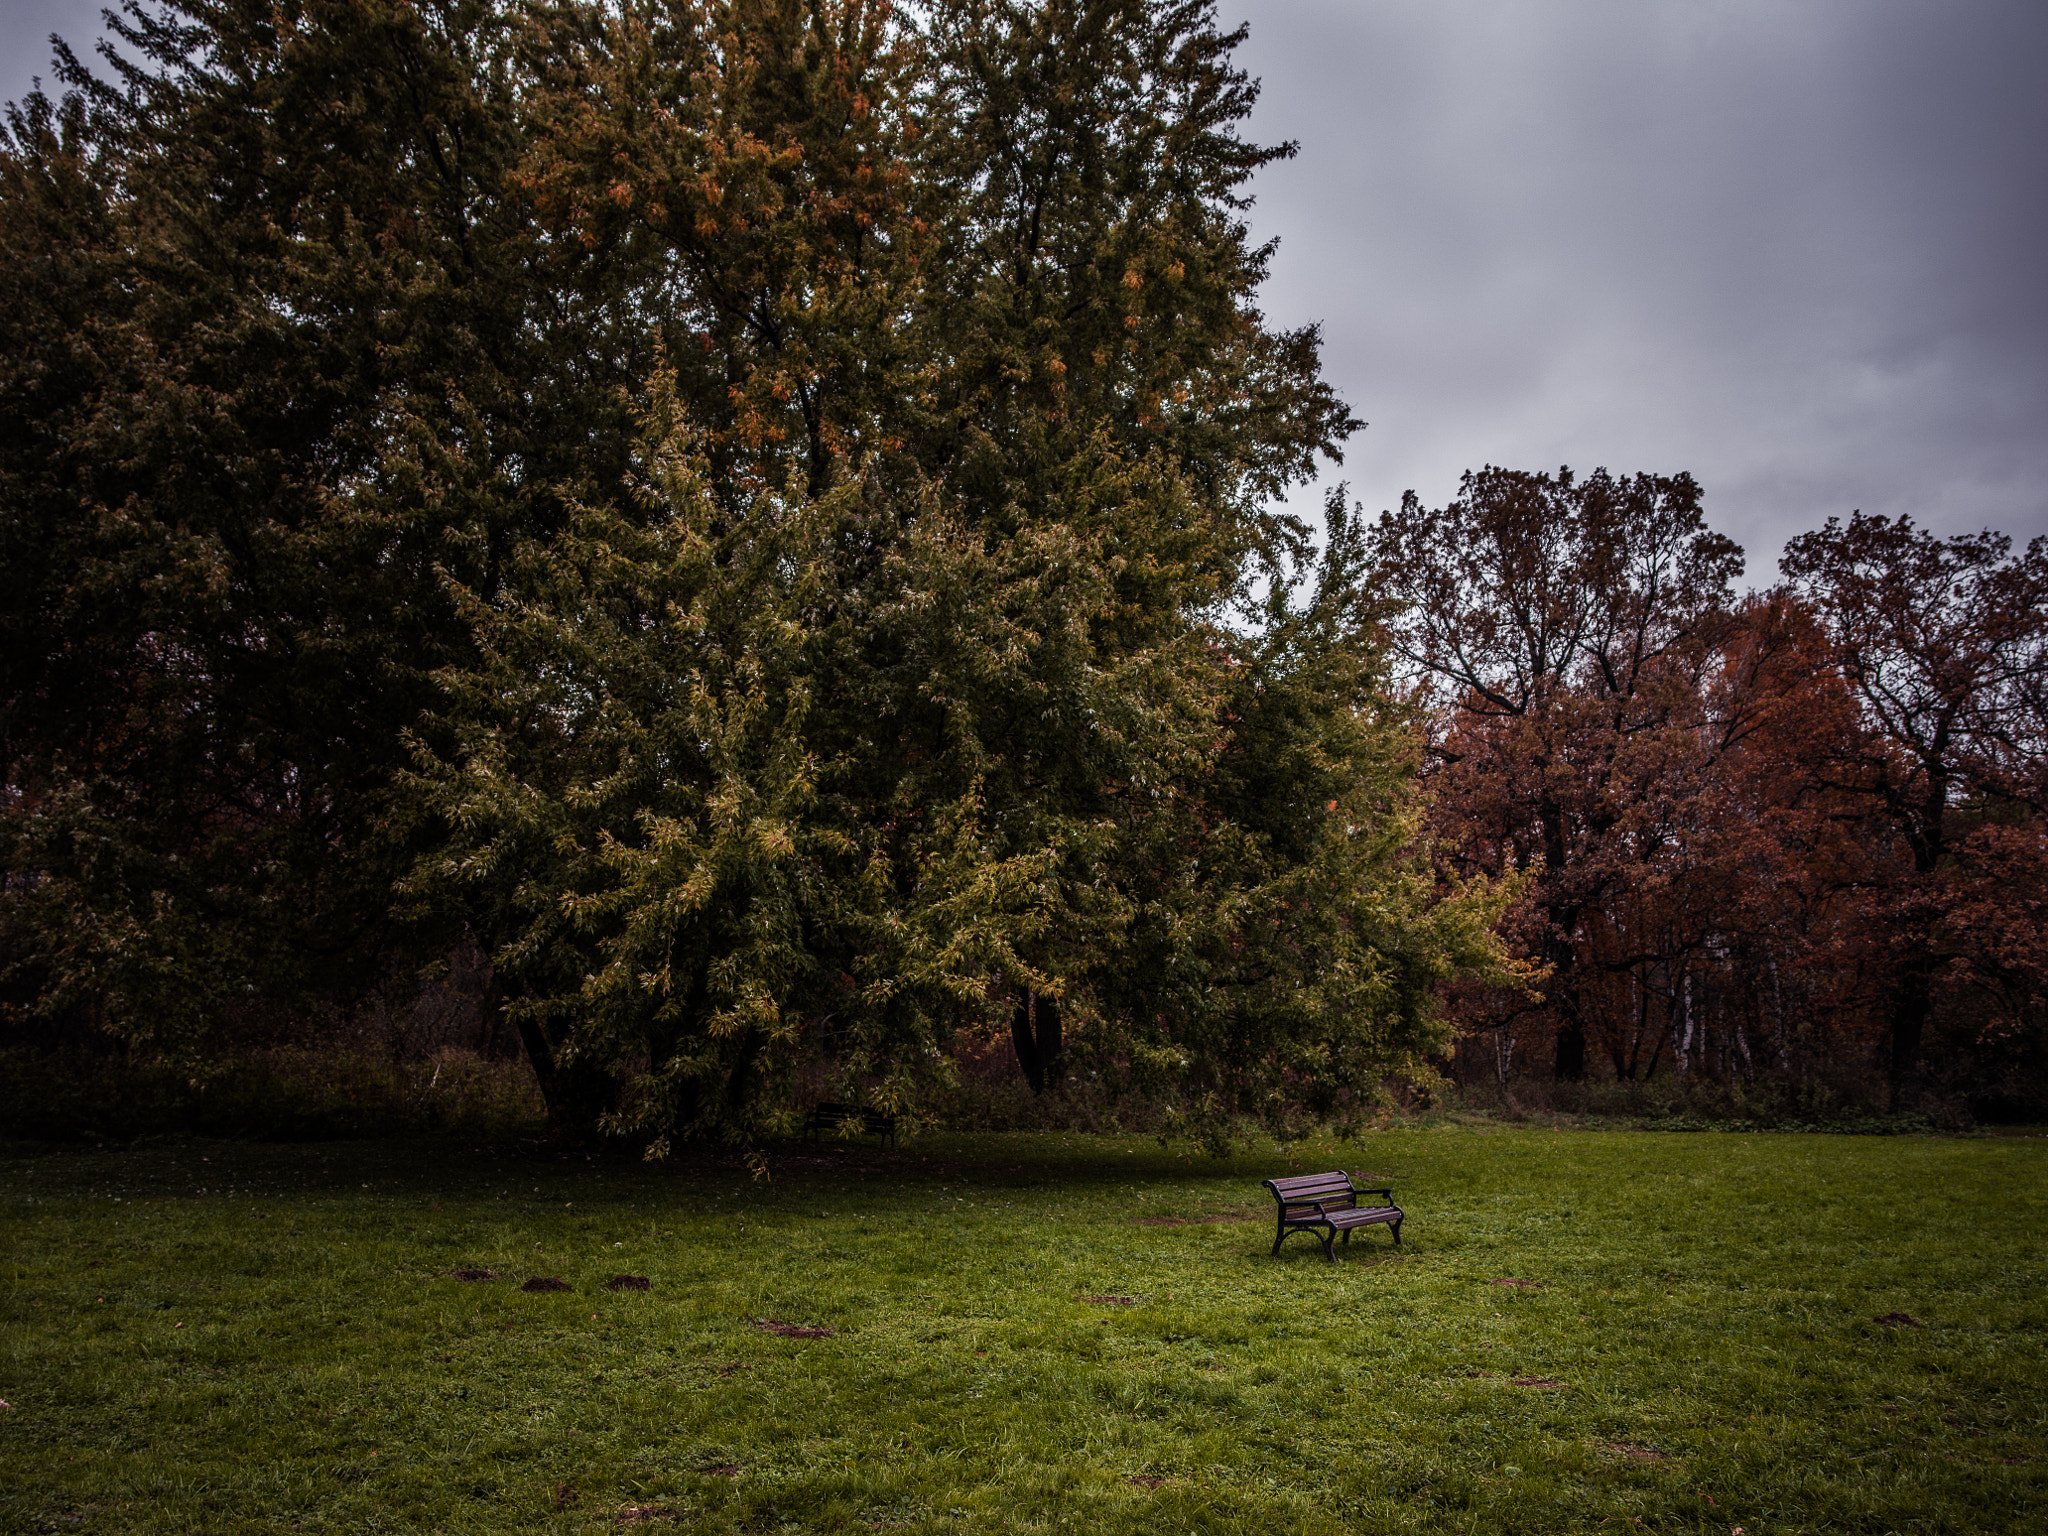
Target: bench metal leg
x=1326, y=1238
x=1397, y=1234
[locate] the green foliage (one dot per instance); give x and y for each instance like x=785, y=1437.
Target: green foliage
x=757, y=512
x=725, y=813
x=262, y=307
x=239, y=1338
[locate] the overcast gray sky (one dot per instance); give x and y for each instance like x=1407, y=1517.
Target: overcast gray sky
x=1797, y=247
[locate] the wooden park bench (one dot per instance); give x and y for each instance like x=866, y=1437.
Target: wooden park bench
x=1324, y=1204
x=828, y=1118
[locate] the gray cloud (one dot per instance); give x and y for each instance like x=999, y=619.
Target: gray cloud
x=25, y=28
x=1793, y=249
x=1797, y=249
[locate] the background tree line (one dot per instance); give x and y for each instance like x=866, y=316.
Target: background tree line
x=1795, y=834
x=751, y=528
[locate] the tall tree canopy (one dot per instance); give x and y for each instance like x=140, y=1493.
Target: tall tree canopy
x=1566, y=626
x=760, y=512
x=1944, y=645
x=271, y=358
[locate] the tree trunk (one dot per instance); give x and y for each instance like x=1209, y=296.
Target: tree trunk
x=1571, y=1052
x=578, y=1095
x=1563, y=995
x=1035, y=1032
x=1909, y=1024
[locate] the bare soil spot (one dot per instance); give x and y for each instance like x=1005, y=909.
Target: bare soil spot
x=1898, y=1320
x=547, y=1283
x=629, y=1283
x=1541, y=1383
x=640, y=1514
x=730, y=1366
x=565, y=1496
x=777, y=1326
x=474, y=1274
x=1641, y=1454
x=1145, y=1480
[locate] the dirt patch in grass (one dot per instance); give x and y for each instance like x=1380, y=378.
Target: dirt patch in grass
x=1640, y=1454
x=778, y=1327
x=1898, y=1320
x=547, y=1283
x=1145, y=1480
x=629, y=1283
x=641, y=1514
x=1540, y=1383
x=474, y=1274
x=1524, y=1285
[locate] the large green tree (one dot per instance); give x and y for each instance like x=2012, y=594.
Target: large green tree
x=275, y=348
x=795, y=478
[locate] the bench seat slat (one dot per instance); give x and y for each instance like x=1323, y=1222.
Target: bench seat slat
x=1364, y=1216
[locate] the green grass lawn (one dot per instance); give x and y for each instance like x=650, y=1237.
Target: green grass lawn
x=219, y=1337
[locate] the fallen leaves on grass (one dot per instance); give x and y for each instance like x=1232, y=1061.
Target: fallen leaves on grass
x=547, y=1283
x=775, y=1325
x=474, y=1274
x=1899, y=1320
x=629, y=1283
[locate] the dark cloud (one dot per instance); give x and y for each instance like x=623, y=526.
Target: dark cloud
x=1795, y=249
x=25, y=28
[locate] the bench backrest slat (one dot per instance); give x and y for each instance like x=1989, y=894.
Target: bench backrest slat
x=1310, y=1188
x=1298, y=1196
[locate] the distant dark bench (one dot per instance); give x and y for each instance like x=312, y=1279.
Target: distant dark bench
x=1324, y=1204
x=828, y=1118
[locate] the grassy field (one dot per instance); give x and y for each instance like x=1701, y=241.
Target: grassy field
x=1029, y=1333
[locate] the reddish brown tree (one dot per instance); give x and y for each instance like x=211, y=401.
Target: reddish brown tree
x=1563, y=628
x=1944, y=645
